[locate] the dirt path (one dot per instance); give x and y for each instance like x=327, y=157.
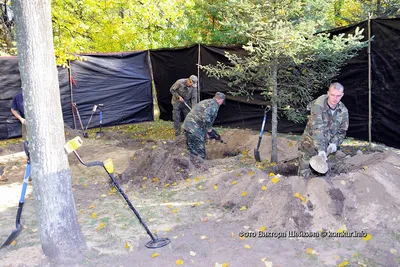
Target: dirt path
x=203, y=208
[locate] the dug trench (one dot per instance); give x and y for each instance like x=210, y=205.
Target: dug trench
x=203, y=206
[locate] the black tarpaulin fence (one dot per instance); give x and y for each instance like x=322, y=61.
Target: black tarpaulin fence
x=169, y=65
x=120, y=81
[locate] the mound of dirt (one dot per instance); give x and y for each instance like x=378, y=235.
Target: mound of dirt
x=162, y=161
x=365, y=199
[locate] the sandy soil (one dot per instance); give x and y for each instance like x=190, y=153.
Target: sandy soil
x=228, y=209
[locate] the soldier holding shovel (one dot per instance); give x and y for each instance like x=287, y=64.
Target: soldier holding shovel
x=325, y=130
x=183, y=91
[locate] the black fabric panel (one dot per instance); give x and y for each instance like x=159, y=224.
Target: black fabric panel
x=10, y=85
x=386, y=81
x=354, y=77
x=65, y=95
x=121, y=82
x=240, y=112
x=169, y=65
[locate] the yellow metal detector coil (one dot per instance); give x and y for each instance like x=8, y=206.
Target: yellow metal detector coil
x=108, y=164
x=73, y=144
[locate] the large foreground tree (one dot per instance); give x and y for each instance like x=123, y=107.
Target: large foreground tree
x=286, y=61
x=60, y=234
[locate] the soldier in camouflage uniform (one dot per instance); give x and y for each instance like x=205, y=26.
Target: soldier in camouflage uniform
x=183, y=90
x=326, y=127
x=199, y=121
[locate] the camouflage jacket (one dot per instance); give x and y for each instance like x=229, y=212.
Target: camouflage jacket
x=188, y=93
x=201, y=117
x=324, y=128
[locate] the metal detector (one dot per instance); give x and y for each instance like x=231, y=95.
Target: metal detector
x=256, y=150
x=15, y=233
x=99, y=134
x=87, y=125
x=72, y=146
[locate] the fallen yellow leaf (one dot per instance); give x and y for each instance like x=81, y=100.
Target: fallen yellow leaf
x=144, y=178
x=368, y=237
x=13, y=243
x=153, y=147
x=197, y=179
x=345, y=263
x=243, y=208
x=154, y=255
x=144, y=187
x=174, y=184
x=168, y=229
x=127, y=245
x=91, y=206
x=311, y=251
x=275, y=180
x=251, y=172
x=291, y=144
x=101, y=226
x=166, y=185
x=234, y=182
x=244, y=193
x=187, y=180
x=196, y=204
x=215, y=187
x=225, y=264
x=155, y=179
x=233, y=235
x=94, y=215
x=263, y=188
x=247, y=246
x=175, y=210
x=262, y=228
x=271, y=174
x=179, y=262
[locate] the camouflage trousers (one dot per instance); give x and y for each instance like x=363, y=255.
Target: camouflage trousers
x=179, y=108
x=306, y=152
x=196, y=144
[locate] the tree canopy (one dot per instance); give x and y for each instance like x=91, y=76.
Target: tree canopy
x=90, y=26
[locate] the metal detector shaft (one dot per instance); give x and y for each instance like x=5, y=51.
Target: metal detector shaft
x=101, y=164
x=130, y=205
x=91, y=115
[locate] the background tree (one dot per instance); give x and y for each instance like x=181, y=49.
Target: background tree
x=61, y=238
x=6, y=28
x=286, y=62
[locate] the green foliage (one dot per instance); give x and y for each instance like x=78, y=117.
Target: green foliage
x=304, y=61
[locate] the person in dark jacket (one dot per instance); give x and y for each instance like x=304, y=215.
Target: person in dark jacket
x=199, y=121
x=17, y=109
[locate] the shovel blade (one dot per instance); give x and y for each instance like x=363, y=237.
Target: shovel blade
x=14, y=234
x=318, y=164
x=257, y=155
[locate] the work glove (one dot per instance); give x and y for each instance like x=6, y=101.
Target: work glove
x=331, y=148
x=214, y=135
x=322, y=154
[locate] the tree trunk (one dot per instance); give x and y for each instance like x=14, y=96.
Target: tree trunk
x=60, y=234
x=274, y=151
